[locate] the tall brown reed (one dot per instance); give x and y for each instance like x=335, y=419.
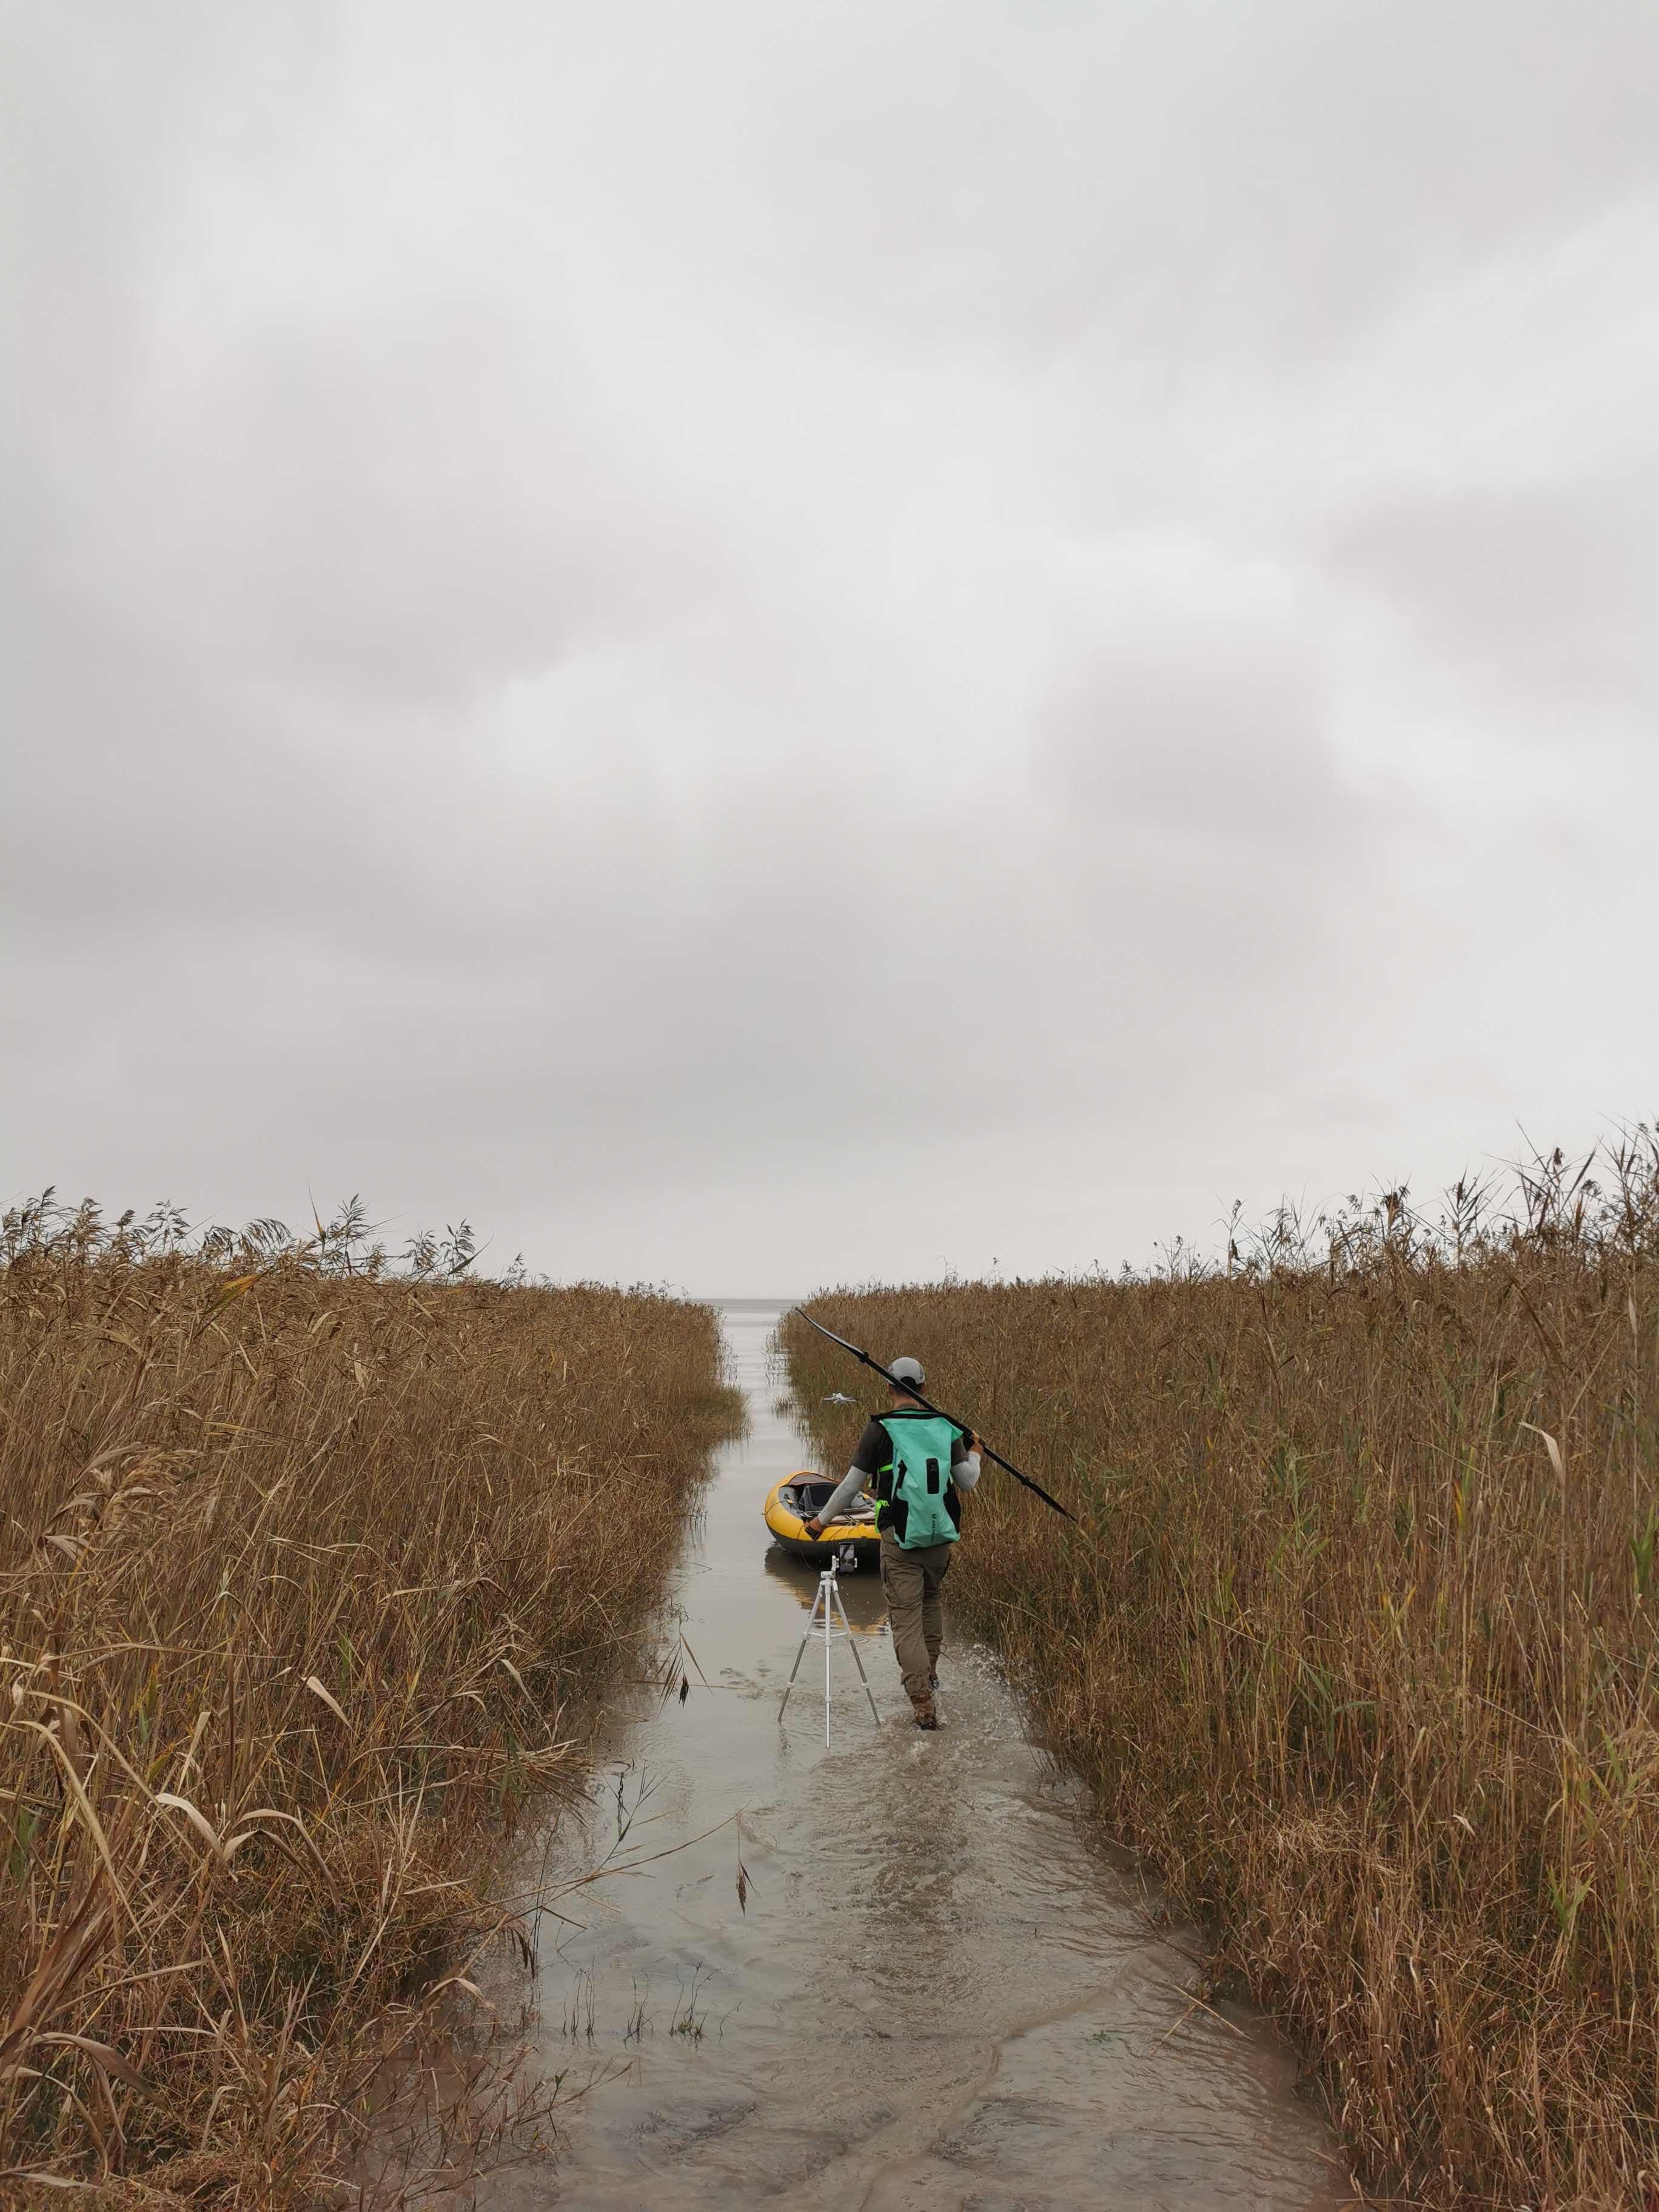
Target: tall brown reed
x=1357, y=1638
x=307, y=1576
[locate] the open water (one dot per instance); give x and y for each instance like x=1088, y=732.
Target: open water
x=938, y=1995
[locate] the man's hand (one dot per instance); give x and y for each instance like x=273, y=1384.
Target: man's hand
x=815, y=1527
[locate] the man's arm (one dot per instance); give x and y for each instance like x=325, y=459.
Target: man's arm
x=867, y=1460
x=848, y=1488
x=964, y=1473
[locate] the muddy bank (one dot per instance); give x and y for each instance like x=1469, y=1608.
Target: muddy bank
x=935, y=1993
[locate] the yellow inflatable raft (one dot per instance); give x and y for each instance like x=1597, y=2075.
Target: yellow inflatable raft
x=789, y=1505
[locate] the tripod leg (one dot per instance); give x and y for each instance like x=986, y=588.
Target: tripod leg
x=853, y=1647
x=800, y=1655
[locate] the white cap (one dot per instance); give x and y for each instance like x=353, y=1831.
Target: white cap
x=908, y=1370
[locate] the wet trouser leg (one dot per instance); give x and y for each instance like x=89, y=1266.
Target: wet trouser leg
x=932, y=1615
x=913, y=1581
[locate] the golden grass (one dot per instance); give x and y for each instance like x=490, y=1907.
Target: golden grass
x=308, y=1576
x=1357, y=1638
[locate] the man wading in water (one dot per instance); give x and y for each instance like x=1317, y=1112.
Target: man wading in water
x=916, y=1464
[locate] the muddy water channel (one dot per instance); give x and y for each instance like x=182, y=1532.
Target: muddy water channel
x=940, y=1998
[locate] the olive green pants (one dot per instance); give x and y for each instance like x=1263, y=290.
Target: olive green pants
x=913, y=1581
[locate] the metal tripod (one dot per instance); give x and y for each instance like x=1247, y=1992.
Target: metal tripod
x=827, y=1610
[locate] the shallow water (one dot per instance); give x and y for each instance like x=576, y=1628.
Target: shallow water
x=940, y=1998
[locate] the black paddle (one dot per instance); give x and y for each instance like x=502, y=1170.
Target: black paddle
x=911, y=1391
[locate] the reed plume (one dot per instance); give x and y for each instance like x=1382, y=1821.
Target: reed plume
x=311, y=1570
x=1357, y=1639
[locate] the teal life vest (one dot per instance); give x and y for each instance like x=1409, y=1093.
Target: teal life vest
x=915, y=1497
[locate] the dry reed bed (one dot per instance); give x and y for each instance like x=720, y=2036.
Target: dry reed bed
x=1357, y=1638
x=308, y=1576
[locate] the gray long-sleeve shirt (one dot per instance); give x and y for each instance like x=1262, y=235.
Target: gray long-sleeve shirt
x=874, y=1446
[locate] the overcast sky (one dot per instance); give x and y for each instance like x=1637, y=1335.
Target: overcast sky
x=766, y=643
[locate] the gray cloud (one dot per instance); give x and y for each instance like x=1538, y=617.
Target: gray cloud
x=1541, y=588
x=757, y=647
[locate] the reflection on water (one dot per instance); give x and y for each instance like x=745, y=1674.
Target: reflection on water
x=860, y=1594
x=933, y=1995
